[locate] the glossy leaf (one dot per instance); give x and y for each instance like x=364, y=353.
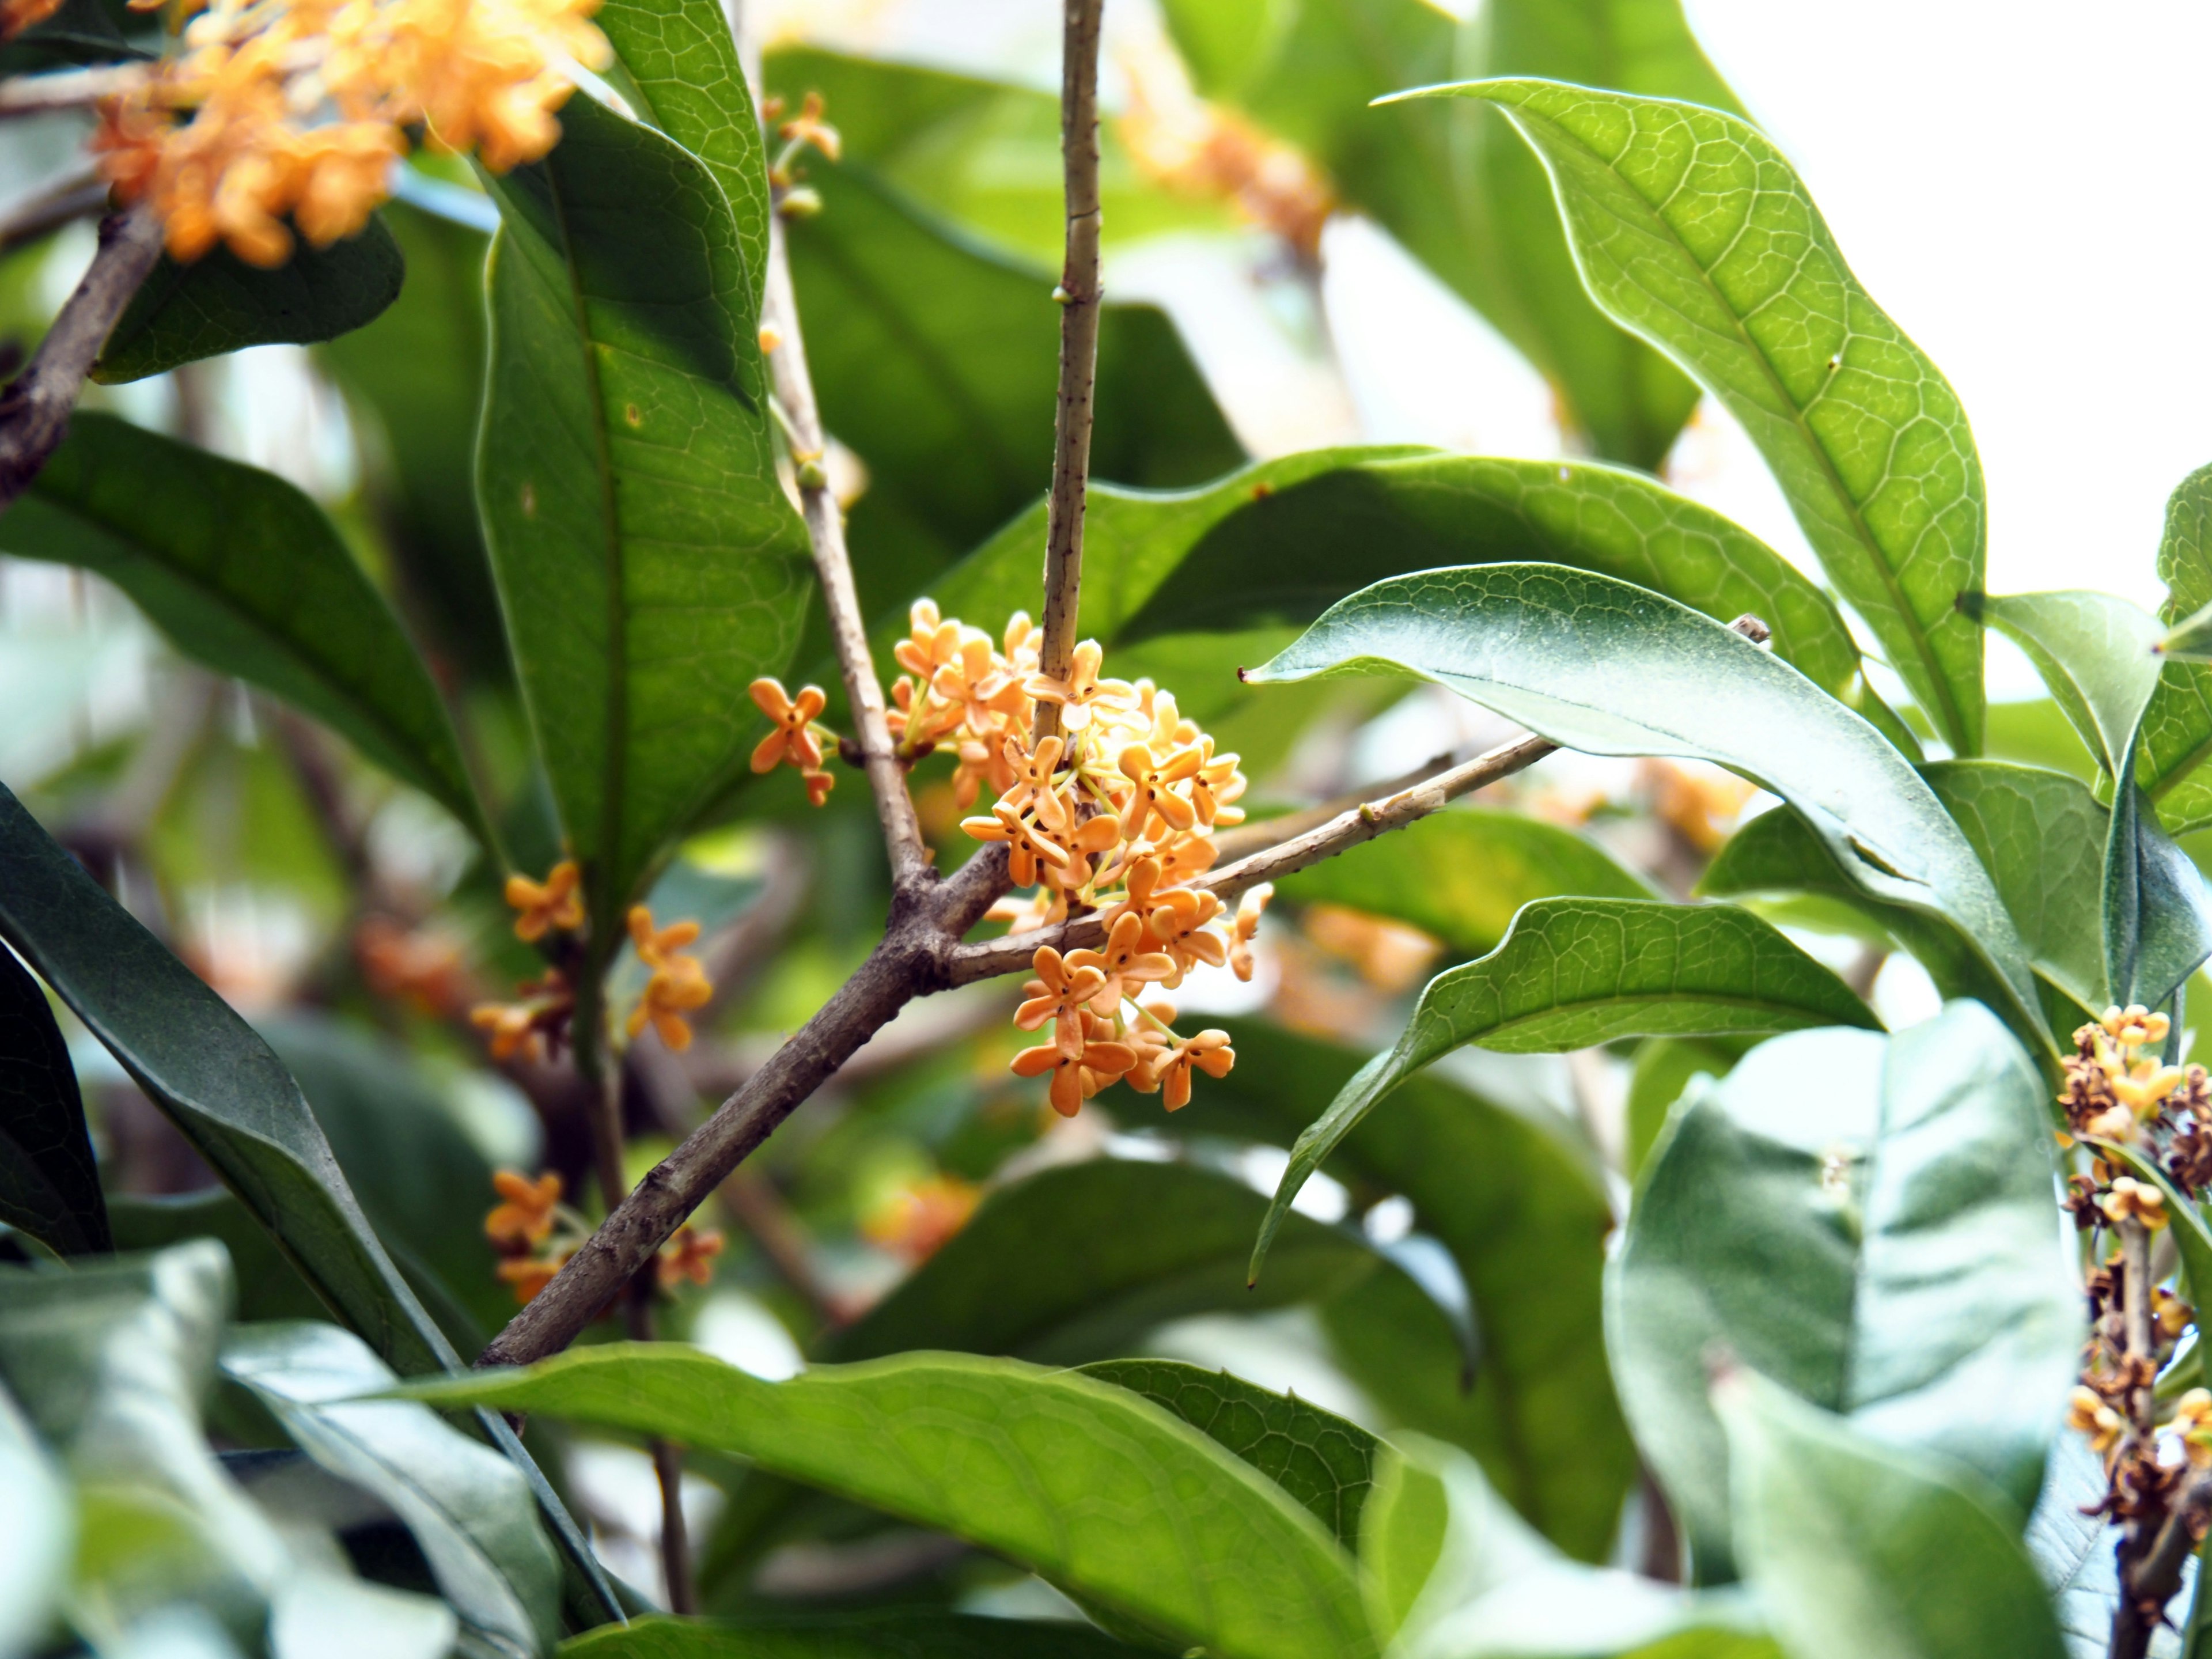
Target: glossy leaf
x=1902, y=1192
x=1519, y=1202
x=467, y=1507
x=1325, y=1462
x=49, y=1180
x=1048, y=1270
x=1452, y=1573
x=232, y=1101
x=2176, y=740
x=2158, y=914
x=1692, y=230
x=219, y=303
x=2189, y=639
x=649, y=563
x=1282, y=540
x=920, y=1633
x=1446, y=182
x=1463, y=876
x=2096, y=651
x=1097, y=1491
x=1598, y=665
x=937, y=363
x=1573, y=973
x=246, y=574
x=1854, y=1547
x=38, y=1528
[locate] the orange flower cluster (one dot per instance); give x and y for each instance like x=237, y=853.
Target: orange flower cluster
x=301, y=107
x=2118, y=1090
x=678, y=985
x=536, y=1233
x=917, y=1220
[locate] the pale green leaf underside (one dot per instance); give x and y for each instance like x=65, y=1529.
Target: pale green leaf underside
x=649, y=561
x=1573, y=973
x=2176, y=740
x=2095, y=652
x=1694, y=232
x=1597, y=665
x=1093, y=1488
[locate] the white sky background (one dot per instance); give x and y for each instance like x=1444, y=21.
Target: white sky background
x=2026, y=188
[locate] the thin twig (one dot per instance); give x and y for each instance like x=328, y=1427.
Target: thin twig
x=34, y=410
x=2156, y=1581
x=79, y=89
x=1079, y=296
x=1012, y=954
x=1248, y=839
x=78, y=193
x=825, y=529
x=2133, y=1619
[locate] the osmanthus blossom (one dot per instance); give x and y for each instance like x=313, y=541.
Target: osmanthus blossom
x=1114, y=814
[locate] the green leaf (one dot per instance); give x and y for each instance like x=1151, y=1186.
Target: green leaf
x=2189, y=639
x=219, y=303
x=1463, y=876
x=414, y=380
x=1694, y=231
x=937, y=361
x=49, y=1180
x=649, y=563
x=2096, y=652
x=1856, y=1548
x=1598, y=666
x=268, y=1285
x=1664, y=1070
x=1519, y=1202
x=37, y=1529
x=1446, y=182
x=232, y=1101
x=1452, y=1573
x=1282, y=540
x=1573, y=973
x=2176, y=739
x=467, y=1507
x=1901, y=1192
x=1095, y=1490
x=1048, y=1270
x=1325, y=1462
x=246, y=574
x=920, y=1633
x=2158, y=916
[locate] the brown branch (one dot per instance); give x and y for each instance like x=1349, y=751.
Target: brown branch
x=825, y=529
x=2157, y=1577
x=1079, y=296
x=34, y=410
x=1248, y=839
x=1363, y=823
x=2135, y=1616
x=79, y=89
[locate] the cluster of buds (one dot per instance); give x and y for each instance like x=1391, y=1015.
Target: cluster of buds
x=550, y=914
x=2117, y=1089
x=270, y=108
x=799, y=132
x=536, y=1233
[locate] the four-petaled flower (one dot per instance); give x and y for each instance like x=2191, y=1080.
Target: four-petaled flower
x=525, y=1218
x=1209, y=1051
x=539, y=906
x=1058, y=994
x=1076, y=1078
x=678, y=985
x=1082, y=693
x=690, y=1254
x=792, y=740
x=1124, y=965
x=1155, y=808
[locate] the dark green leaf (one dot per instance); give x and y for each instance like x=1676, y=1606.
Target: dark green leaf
x=219, y=303
x=922, y=1634
x=1901, y=1192
x=649, y=562
x=49, y=1180
x=1095, y=1490
x=468, y=1508
x=1854, y=1547
x=1452, y=1573
x=2095, y=652
x=1281, y=541
x=246, y=574
x=1463, y=876
x=1691, y=230
x=1519, y=1203
x=937, y=363
x=232, y=1099
x=268, y=1286
x=1664, y=1068
x=1598, y=666
x=1049, y=1270
x=1573, y=973
x=1325, y=1462
x=2158, y=916
x=1446, y=182
x=2176, y=739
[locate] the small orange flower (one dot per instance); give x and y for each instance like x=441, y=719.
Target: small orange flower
x=1075, y=1079
x=791, y=740
x=526, y=1217
x=690, y=1254
x=557, y=902
x=1124, y=965
x=529, y=1026
x=918, y=1219
x=818, y=786
x=678, y=985
x=1155, y=807
x=1057, y=995
x=807, y=127
x=424, y=968
x=1082, y=694
x=531, y=1274
x=1247, y=927
x=2087, y=1414
x=1208, y=1052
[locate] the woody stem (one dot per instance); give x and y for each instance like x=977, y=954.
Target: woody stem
x=2140, y=1536
x=1079, y=297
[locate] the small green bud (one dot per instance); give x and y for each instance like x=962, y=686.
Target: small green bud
x=801, y=202
x=812, y=475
